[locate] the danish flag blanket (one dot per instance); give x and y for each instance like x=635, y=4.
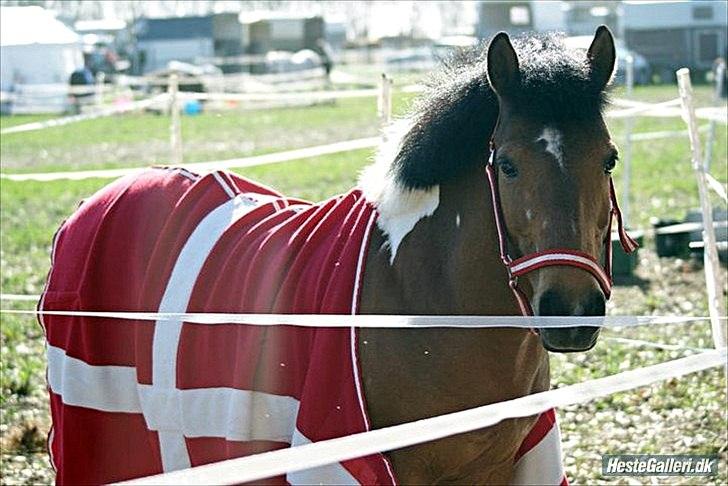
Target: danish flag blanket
x=133, y=398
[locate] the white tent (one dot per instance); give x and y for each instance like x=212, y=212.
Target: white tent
x=36, y=48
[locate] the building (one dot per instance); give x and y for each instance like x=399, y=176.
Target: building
x=519, y=17
x=36, y=49
x=582, y=18
x=187, y=39
x=273, y=31
x=672, y=35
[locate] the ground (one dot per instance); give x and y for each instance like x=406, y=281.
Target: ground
x=685, y=415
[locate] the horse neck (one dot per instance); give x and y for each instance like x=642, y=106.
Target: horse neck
x=449, y=263
x=445, y=268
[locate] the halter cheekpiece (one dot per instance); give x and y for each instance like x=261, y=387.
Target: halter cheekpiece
x=555, y=256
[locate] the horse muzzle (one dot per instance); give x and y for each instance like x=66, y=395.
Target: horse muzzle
x=570, y=339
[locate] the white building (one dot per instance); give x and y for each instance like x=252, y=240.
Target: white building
x=675, y=34
x=36, y=48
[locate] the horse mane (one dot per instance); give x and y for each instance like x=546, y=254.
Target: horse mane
x=447, y=131
x=451, y=124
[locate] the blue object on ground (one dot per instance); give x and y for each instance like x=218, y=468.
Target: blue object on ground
x=192, y=107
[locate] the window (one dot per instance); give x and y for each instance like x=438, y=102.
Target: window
x=707, y=47
x=520, y=15
x=703, y=12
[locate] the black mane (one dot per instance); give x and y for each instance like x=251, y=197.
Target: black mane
x=453, y=120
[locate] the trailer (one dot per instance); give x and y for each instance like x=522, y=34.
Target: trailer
x=675, y=34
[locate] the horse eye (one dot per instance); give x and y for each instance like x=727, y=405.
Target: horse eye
x=507, y=167
x=610, y=163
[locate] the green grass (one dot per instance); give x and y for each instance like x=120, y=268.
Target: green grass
x=663, y=182
x=143, y=139
x=662, y=185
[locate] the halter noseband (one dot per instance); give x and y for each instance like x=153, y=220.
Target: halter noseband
x=555, y=256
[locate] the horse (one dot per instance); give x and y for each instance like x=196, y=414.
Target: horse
x=493, y=198
x=435, y=249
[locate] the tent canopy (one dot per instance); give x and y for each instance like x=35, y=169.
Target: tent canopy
x=33, y=25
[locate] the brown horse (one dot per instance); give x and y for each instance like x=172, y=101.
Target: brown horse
x=435, y=248
x=506, y=158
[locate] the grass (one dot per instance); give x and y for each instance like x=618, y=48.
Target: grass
x=143, y=139
x=662, y=185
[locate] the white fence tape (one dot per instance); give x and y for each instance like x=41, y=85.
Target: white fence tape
x=638, y=107
x=270, y=464
x=716, y=186
x=374, y=320
x=283, y=97
x=108, y=111
x=45, y=90
x=642, y=136
x=261, y=159
x=639, y=343
x=666, y=110
x=231, y=78
x=20, y=297
x=332, y=148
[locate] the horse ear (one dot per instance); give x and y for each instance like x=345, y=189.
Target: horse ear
x=602, y=56
x=502, y=64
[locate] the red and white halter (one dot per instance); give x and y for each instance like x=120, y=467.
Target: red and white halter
x=555, y=256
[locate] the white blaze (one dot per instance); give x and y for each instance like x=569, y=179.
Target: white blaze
x=553, y=139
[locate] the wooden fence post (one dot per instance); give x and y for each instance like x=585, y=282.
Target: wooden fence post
x=716, y=305
x=384, y=100
x=99, y=91
x=175, y=129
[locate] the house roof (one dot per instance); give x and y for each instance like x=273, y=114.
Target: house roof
x=174, y=28
x=33, y=25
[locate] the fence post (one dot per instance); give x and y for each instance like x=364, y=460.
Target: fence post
x=710, y=251
x=384, y=100
x=627, y=150
x=175, y=129
x=99, y=92
x=719, y=75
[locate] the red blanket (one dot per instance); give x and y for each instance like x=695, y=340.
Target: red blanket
x=131, y=398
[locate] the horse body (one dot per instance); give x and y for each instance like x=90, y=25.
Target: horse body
x=186, y=394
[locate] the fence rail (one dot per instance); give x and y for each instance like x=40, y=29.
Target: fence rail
x=275, y=463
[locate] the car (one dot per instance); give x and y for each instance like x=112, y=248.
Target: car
x=642, y=69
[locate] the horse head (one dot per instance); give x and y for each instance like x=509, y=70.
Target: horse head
x=553, y=162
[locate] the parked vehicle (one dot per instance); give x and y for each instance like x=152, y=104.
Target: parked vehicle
x=642, y=69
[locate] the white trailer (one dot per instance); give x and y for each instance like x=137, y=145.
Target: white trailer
x=675, y=34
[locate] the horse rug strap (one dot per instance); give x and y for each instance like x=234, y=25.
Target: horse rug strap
x=133, y=398
x=554, y=256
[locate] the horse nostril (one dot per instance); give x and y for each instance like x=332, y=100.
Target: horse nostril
x=552, y=303
x=594, y=305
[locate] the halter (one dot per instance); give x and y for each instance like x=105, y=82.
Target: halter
x=555, y=256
